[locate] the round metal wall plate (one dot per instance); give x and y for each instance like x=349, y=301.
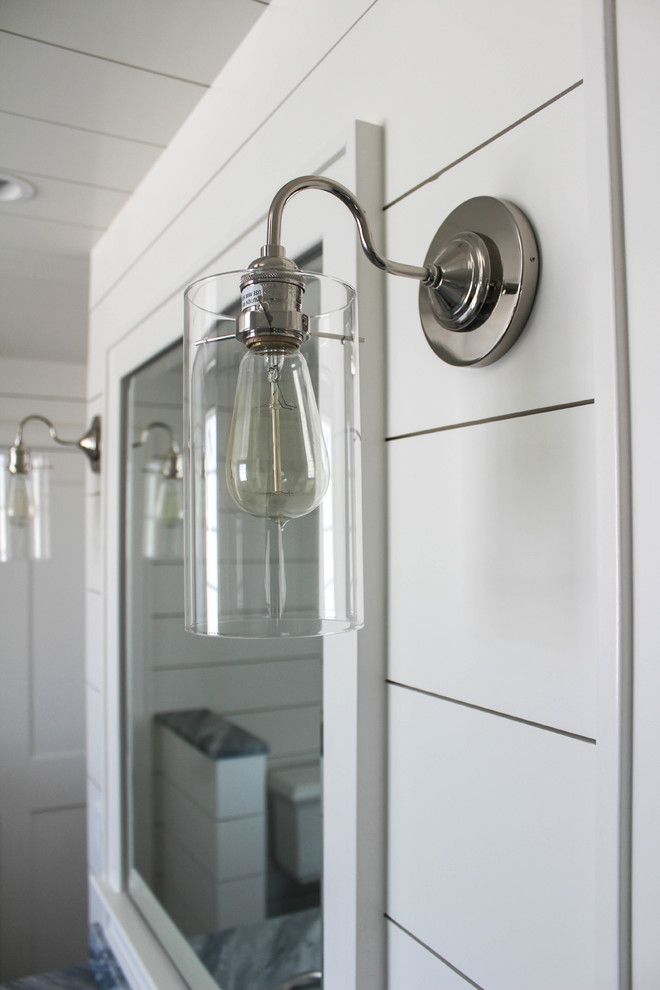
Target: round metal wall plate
x=513, y=276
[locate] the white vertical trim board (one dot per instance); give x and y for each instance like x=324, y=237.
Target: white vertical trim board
x=635, y=28
x=608, y=303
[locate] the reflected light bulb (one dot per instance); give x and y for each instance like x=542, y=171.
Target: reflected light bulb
x=20, y=508
x=277, y=462
x=169, y=502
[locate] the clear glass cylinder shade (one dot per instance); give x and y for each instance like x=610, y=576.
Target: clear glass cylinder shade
x=25, y=511
x=260, y=564
x=162, y=525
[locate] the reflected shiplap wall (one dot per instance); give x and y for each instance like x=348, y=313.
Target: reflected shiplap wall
x=497, y=743
x=272, y=689
x=43, y=910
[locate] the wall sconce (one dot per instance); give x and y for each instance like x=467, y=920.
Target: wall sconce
x=287, y=453
x=162, y=536
x=25, y=491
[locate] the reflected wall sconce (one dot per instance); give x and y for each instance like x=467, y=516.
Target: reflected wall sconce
x=162, y=536
x=289, y=452
x=25, y=490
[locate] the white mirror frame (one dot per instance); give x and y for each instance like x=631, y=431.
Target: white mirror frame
x=354, y=765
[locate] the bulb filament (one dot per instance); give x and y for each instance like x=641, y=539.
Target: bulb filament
x=277, y=402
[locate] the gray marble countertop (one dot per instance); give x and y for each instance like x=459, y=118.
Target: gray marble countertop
x=74, y=978
x=211, y=734
x=106, y=969
x=263, y=955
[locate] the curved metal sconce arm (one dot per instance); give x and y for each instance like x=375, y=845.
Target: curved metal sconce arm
x=428, y=274
x=477, y=283
x=48, y=424
x=172, y=461
x=157, y=425
x=89, y=443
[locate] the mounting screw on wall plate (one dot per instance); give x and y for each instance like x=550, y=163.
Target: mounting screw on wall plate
x=488, y=257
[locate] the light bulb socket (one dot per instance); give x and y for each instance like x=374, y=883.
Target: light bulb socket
x=271, y=303
x=172, y=469
x=19, y=459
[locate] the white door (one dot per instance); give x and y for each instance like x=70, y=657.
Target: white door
x=43, y=889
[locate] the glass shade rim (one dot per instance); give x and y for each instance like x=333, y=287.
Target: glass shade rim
x=188, y=295
x=262, y=627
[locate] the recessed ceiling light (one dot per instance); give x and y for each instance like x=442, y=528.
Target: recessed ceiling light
x=13, y=188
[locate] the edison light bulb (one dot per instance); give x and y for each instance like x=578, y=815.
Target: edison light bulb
x=277, y=462
x=169, y=502
x=20, y=508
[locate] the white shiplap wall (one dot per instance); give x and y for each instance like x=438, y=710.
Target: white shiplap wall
x=503, y=811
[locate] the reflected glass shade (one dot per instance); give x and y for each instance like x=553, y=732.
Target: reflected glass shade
x=162, y=525
x=272, y=479
x=25, y=511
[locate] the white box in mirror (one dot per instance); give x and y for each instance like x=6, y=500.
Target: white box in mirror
x=296, y=801
x=212, y=810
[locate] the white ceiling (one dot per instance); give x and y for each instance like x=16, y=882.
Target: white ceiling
x=91, y=92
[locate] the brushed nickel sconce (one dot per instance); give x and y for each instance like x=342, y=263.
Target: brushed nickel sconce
x=162, y=537
x=291, y=448
x=24, y=490
x=477, y=283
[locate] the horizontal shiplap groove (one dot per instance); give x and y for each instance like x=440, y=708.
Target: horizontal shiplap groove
x=213, y=664
x=437, y=955
x=158, y=405
x=47, y=809
x=41, y=397
x=70, y=182
x=77, y=127
x=492, y=711
x=264, y=709
x=51, y=220
x=233, y=155
x=484, y=144
x=519, y=414
x=105, y=58
x=57, y=452
x=247, y=559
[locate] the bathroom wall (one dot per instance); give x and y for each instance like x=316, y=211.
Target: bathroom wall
x=503, y=664
x=43, y=895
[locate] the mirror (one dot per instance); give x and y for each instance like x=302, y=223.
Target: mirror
x=222, y=754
